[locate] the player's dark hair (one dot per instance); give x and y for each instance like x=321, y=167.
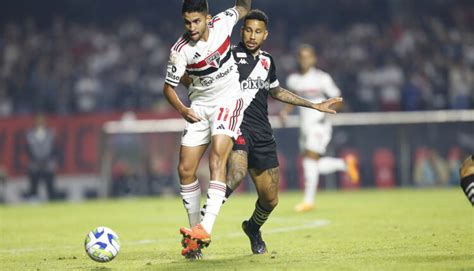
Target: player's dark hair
x=256, y=14
x=195, y=6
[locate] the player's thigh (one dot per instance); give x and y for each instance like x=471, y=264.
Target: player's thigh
x=266, y=183
x=198, y=133
x=236, y=168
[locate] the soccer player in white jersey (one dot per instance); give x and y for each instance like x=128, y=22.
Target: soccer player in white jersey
x=216, y=110
x=315, y=130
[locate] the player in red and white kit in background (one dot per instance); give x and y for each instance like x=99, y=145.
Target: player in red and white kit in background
x=315, y=130
x=215, y=114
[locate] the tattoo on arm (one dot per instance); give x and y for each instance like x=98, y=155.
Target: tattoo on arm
x=286, y=96
x=236, y=168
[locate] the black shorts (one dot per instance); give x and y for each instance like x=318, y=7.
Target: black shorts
x=261, y=151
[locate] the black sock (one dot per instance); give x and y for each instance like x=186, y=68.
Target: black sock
x=259, y=216
x=467, y=184
x=228, y=192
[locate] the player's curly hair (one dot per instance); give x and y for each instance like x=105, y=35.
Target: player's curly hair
x=195, y=6
x=256, y=14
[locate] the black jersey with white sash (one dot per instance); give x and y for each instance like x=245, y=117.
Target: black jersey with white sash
x=257, y=75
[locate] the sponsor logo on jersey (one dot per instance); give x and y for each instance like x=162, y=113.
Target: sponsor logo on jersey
x=172, y=76
x=242, y=61
x=241, y=55
x=208, y=80
x=255, y=84
x=196, y=55
x=214, y=59
x=220, y=127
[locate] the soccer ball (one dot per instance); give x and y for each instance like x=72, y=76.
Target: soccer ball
x=102, y=244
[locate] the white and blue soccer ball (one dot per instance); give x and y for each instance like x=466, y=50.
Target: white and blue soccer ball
x=102, y=244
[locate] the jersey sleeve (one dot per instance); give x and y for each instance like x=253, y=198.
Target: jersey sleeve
x=176, y=68
x=331, y=88
x=226, y=20
x=272, y=75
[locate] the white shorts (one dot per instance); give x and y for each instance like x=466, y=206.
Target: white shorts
x=315, y=137
x=217, y=120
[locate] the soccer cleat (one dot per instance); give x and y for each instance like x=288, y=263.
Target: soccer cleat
x=198, y=234
x=256, y=243
x=191, y=249
x=352, y=168
x=304, y=207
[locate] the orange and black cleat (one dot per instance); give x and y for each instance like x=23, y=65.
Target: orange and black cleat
x=191, y=249
x=198, y=234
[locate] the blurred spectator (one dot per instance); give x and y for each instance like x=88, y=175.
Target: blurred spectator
x=430, y=168
x=385, y=55
x=40, y=146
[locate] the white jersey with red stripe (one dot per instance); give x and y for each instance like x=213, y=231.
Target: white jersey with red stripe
x=316, y=86
x=210, y=64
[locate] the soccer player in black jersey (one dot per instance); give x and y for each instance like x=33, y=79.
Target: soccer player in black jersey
x=255, y=150
x=467, y=178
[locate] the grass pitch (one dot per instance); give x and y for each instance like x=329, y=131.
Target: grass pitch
x=363, y=230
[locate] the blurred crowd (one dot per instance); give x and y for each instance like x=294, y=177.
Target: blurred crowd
x=413, y=59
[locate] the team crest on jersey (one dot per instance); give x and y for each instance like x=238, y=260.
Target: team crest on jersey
x=265, y=63
x=214, y=60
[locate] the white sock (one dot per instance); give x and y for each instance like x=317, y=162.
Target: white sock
x=191, y=194
x=311, y=176
x=215, y=198
x=329, y=165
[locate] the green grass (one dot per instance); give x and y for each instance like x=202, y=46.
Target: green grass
x=364, y=230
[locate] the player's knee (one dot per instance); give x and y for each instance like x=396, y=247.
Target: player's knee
x=185, y=171
x=270, y=203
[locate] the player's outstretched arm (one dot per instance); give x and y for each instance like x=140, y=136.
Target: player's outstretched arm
x=243, y=7
x=286, y=96
x=187, y=113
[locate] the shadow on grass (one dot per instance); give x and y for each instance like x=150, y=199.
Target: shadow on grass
x=231, y=263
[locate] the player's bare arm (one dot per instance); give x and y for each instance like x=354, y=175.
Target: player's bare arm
x=187, y=113
x=290, y=98
x=243, y=7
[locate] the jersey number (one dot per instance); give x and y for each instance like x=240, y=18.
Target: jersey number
x=221, y=111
